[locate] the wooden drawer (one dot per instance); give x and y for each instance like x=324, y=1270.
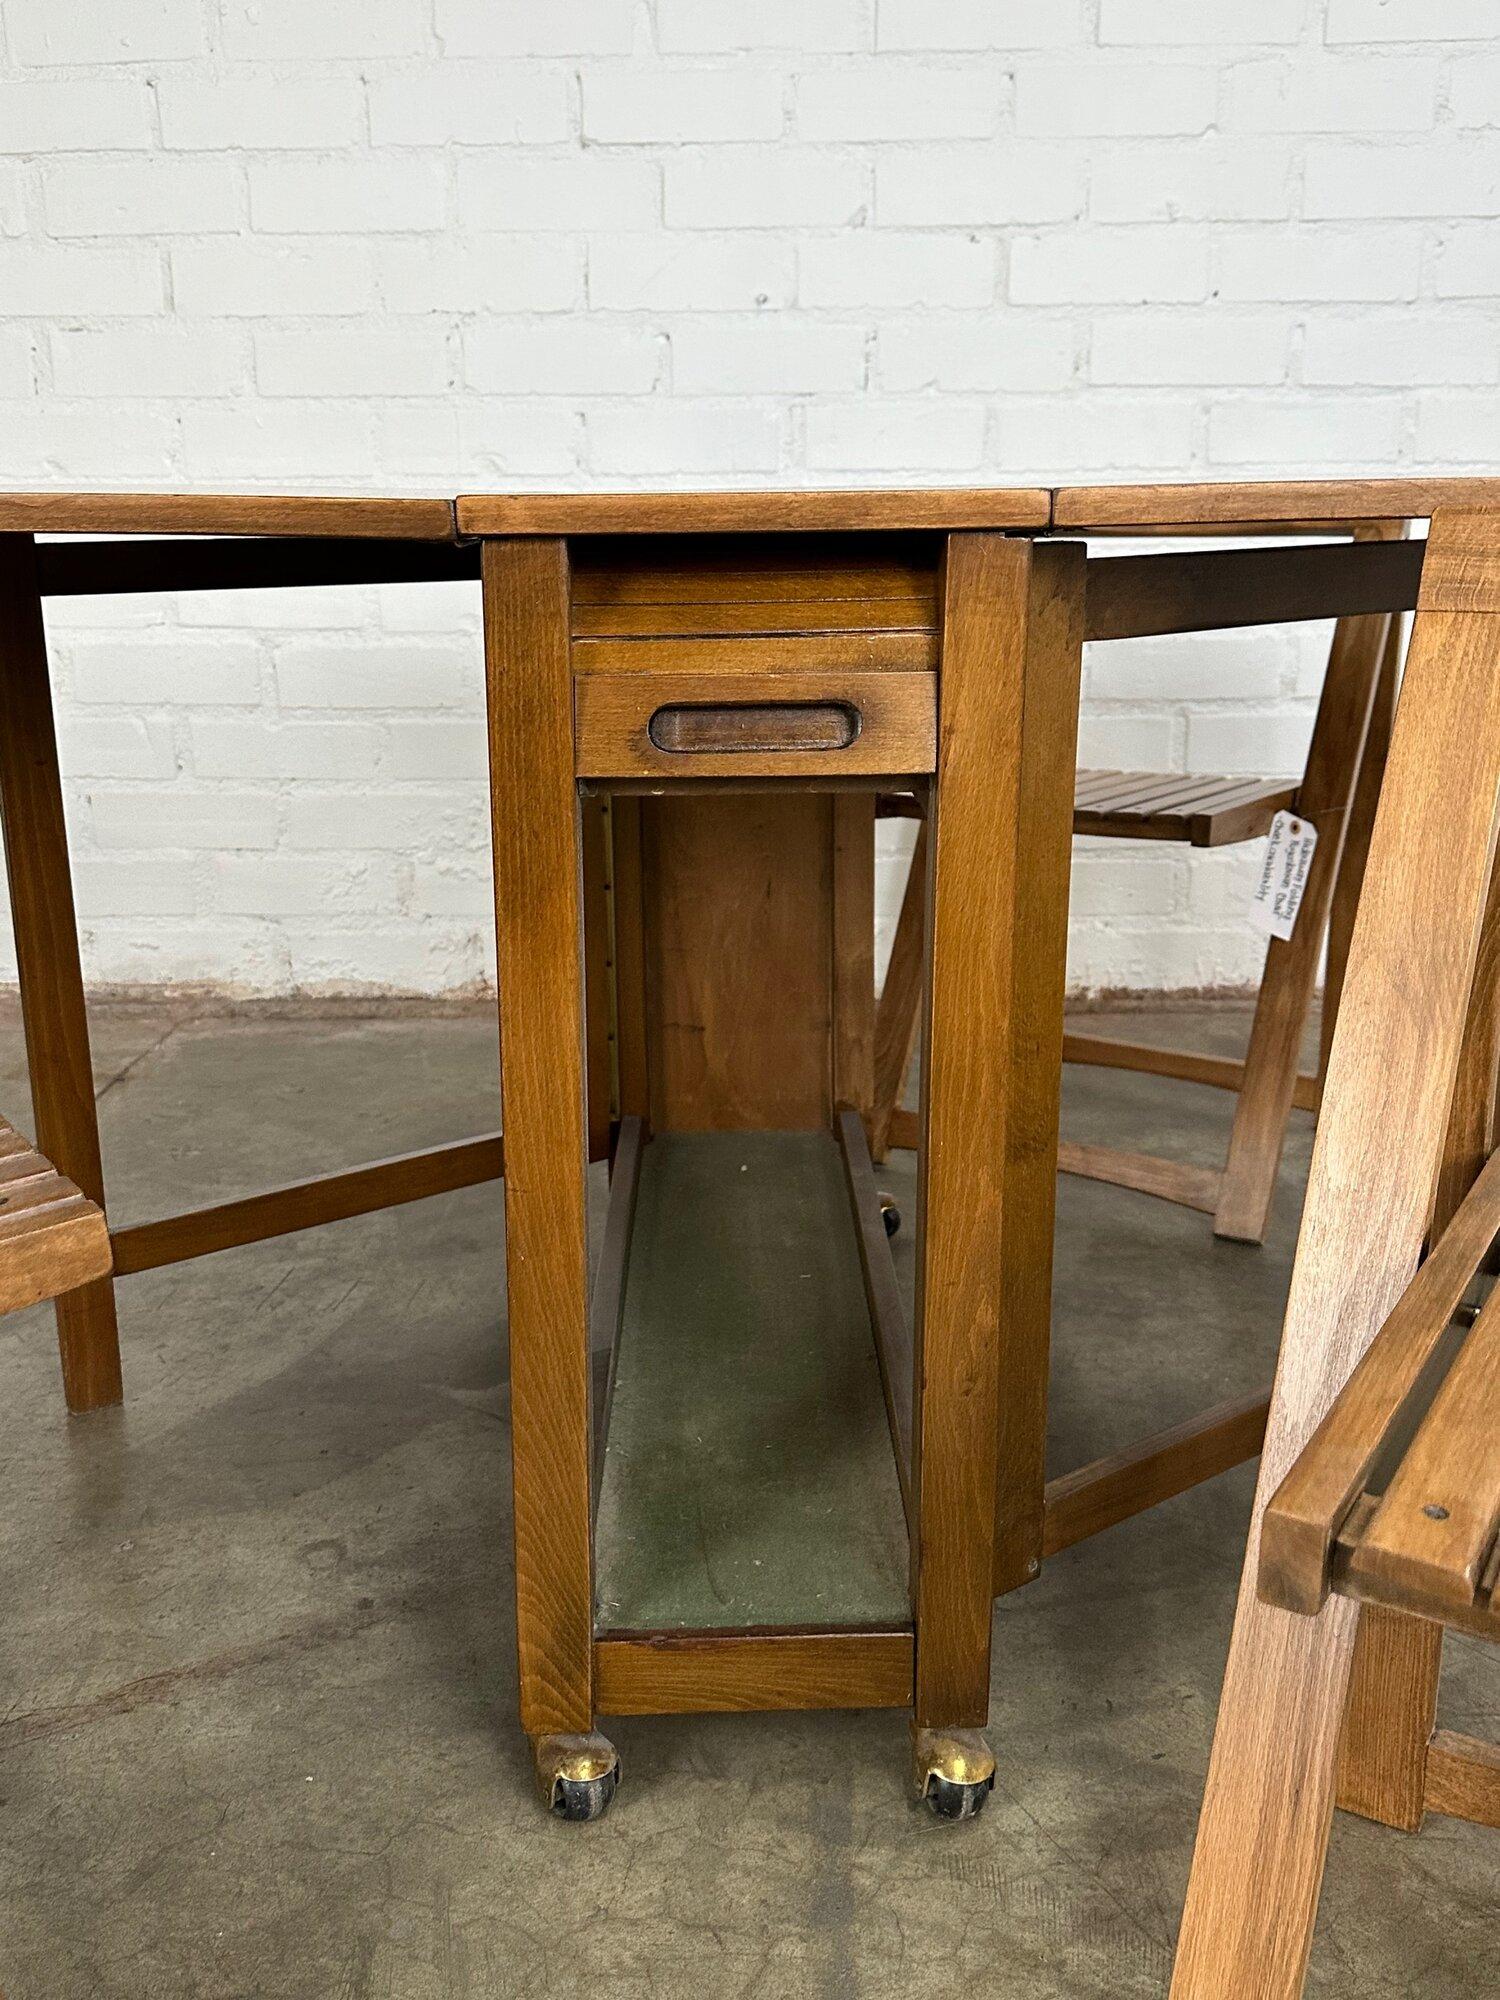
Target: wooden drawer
x=725, y=725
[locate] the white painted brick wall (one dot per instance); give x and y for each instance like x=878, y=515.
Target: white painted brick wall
x=422, y=245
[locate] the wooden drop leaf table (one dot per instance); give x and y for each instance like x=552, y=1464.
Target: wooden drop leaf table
x=749, y=1473
x=696, y=701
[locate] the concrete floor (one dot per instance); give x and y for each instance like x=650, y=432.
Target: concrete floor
x=258, y=1732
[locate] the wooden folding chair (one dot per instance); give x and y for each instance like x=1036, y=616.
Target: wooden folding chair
x=1336, y=793
x=52, y=1238
x=1380, y=1475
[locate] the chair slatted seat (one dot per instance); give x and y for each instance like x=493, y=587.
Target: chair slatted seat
x=52, y=1238
x=1155, y=805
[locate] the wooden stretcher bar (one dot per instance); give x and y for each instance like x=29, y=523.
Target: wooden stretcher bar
x=308, y=1204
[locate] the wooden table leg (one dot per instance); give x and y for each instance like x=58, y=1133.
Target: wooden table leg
x=538, y=916
x=1012, y=619
x=1257, y=1869
x=51, y=976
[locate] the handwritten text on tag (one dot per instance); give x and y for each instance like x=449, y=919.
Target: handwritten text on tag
x=1283, y=876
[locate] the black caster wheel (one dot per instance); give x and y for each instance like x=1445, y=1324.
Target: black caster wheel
x=890, y=1215
x=576, y=1776
x=576, y=1799
x=950, y=1800
x=953, y=1770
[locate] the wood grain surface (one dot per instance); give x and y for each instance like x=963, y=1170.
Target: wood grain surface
x=1257, y=1869
x=51, y=1237
x=538, y=922
x=51, y=975
x=675, y=1673
x=748, y=512
x=892, y=724
x=223, y=514
x=1240, y=503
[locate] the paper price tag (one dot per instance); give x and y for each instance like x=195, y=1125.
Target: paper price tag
x=1283, y=876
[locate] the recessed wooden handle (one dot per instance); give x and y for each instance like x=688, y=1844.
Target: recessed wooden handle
x=754, y=726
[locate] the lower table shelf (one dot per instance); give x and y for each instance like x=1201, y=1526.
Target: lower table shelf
x=749, y=1479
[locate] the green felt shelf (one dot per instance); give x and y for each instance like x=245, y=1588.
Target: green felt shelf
x=749, y=1478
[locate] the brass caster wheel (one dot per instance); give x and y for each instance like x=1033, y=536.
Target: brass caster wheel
x=576, y=1775
x=953, y=1771
x=890, y=1215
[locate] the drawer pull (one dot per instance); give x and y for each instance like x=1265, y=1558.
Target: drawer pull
x=754, y=726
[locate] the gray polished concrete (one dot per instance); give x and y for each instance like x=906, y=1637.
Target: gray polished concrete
x=256, y=1672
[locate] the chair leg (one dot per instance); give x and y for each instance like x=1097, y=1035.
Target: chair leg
x=1389, y=1718
x=1398, y=1660
x=1351, y=873
x=1257, y=1868
x=1286, y=988
x=51, y=976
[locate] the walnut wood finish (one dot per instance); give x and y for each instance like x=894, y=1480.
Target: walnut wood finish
x=1325, y=503
x=200, y=1232
x=732, y=886
x=1218, y=589
x=52, y=1238
x=629, y=963
x=607, y=1302
x=888, y=1322
x=844, y=652
x=1012, y=623
x=1187, y=1065
x=1049, y=752
x=752, y=513
x=1154, y=805
x=599, y=1067
x=853, y=816
x=677, y=1673
x=1146, y=1173
x=51, y=976
x=1463, y=1778
x=1155, y=1468
x=538, y=920
x=748, y=725
x=223, y=514
x=1262, y=1838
